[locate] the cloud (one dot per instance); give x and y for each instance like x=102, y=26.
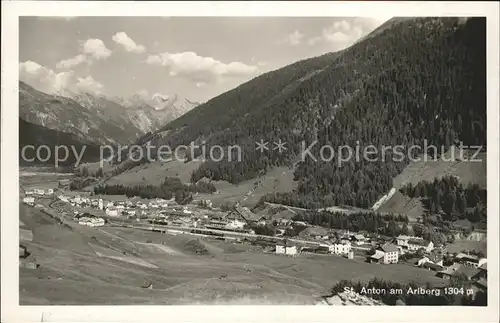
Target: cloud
x=46, y=80
x=200, y=69
x=96, y=49
x=127, y=42
x=89, y=85
x=344, y=33
x=294, y=38
x=71, y=62
x=42, y=78
x=89, y=50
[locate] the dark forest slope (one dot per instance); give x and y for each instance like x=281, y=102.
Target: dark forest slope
x=413, y=80
x=37, y=136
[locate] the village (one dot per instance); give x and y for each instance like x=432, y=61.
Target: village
x=239, y=225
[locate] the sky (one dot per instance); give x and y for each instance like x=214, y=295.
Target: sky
x=194, y=57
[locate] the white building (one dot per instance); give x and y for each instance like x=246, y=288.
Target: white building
x=112, y=212
x=341, y=248
x=83, y=221
x=39, y=191
x=235, y=224
x=29, y=200
x=97, y=222
x=49, y=191
x=100, y=204
x=286, y=249
x=63, y=198
x=470, y=260
x=29, y=192
x=359, y=239
x=409, y=243
x=390, y=253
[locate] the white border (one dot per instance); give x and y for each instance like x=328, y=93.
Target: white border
x=12, y=312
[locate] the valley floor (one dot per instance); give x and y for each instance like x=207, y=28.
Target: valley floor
x=110, y=265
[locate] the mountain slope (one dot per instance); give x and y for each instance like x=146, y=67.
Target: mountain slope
x=96, y=117
x=36, y=136
x=67, y=115
x=413, y=80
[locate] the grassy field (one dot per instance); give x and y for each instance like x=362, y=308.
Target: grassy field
x=108, y=265
x=279, y=179
x=468, y=172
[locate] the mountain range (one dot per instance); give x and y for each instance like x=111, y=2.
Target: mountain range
x=99, y=118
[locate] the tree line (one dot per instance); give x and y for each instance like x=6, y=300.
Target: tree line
x=387, y=224
x=448, y=197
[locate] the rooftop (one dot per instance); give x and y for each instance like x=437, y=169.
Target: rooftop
x=389, y=247
x=377, y=255
x=419, y=242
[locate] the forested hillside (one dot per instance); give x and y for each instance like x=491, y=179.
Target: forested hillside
x=36, y=136
x=417, y=79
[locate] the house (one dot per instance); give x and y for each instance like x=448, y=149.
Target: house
x=83, y=221
x=49, y=191
x=358, y=239
x=390, y=253
x=315, y=233
x=100, y=204
x=470, y=260
x=29, y=200
x=410, y=243
x=457, y=270
x=110, y=205
x=433, y=258
x=63, y=198
x=482, y=273
x=340, y=248
x=97, y=222
x=29, y=192
x=112, y=212
x=39, y=191
x=286, y=248
x=417, y=244
x=432, y=266
x=350, y=254
x=377, y=257
x=300, y=223
x=235, y=224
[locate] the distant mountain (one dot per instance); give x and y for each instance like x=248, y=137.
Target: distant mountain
x=411, y=80
x=158, y=109
x=96, y=117
x=87, y=117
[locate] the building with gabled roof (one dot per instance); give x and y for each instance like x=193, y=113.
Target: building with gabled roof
x=470, y=260
x=287, y=248
x=390, y=253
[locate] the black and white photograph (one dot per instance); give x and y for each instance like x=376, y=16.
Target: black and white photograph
x=231, y=159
